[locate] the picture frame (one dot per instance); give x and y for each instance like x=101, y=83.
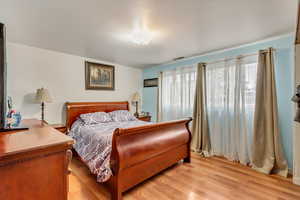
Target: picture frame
x=99, y=76
x=153, y=82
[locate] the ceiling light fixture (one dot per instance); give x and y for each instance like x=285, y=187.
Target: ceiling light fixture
x=141, y=35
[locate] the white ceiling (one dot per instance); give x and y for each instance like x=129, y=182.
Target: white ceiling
x=98, y=28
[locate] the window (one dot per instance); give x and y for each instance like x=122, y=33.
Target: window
x=177, y=93
x=231, y=89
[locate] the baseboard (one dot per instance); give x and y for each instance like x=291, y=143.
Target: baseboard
x=296, y=180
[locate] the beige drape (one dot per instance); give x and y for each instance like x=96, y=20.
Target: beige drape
x=200, y=140
x=267, y=150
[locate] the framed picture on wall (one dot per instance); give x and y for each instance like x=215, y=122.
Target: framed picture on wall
x=99, y=76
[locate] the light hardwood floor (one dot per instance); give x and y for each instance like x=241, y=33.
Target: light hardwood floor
x=205, y=178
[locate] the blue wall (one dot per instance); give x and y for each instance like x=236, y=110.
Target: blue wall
x=284, y=79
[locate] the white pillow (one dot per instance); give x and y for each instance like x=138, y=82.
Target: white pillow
x=95, y=118
x=122, y=116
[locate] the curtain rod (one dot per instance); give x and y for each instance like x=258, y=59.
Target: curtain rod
x=236, y=57
x=240, y=56
x=232, y=58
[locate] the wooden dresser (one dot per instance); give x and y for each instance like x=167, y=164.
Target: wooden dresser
x=34, y=164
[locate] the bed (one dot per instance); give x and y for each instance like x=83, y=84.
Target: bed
x=139, y=152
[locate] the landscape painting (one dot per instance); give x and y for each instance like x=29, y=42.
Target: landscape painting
x=99, y=76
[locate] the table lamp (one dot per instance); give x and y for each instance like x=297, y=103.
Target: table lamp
x=135, y=100
x=42, y=97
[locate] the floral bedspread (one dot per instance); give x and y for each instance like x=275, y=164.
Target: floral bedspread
x=93, y=144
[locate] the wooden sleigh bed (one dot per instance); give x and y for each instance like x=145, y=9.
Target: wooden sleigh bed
x=139, y=152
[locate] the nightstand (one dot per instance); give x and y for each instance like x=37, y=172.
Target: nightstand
x=145, y=118
x=60, y=127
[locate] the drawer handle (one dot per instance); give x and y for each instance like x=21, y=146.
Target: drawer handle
x=68, y=161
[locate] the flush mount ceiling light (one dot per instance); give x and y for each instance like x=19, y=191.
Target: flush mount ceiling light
x=141, y=34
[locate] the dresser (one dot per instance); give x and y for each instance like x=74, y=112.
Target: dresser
x=34, y=164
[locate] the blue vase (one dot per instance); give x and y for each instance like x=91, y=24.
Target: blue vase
x=17, y=119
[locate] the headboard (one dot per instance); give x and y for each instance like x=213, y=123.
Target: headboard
x=75, y=109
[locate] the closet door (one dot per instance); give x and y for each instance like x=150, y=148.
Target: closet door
x=296, y=135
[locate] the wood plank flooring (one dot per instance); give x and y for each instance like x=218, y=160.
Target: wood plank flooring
x=205, y=178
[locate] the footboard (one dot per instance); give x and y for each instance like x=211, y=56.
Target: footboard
x=141, y=152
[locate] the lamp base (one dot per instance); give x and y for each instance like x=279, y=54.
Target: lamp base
x=43, y=111
x=136, y=114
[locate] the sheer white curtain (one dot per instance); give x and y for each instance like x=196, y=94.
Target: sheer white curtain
x=177, y=93
x=230, y=106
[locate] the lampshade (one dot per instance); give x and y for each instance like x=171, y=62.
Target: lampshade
x=136, y=97
x=43, y=95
